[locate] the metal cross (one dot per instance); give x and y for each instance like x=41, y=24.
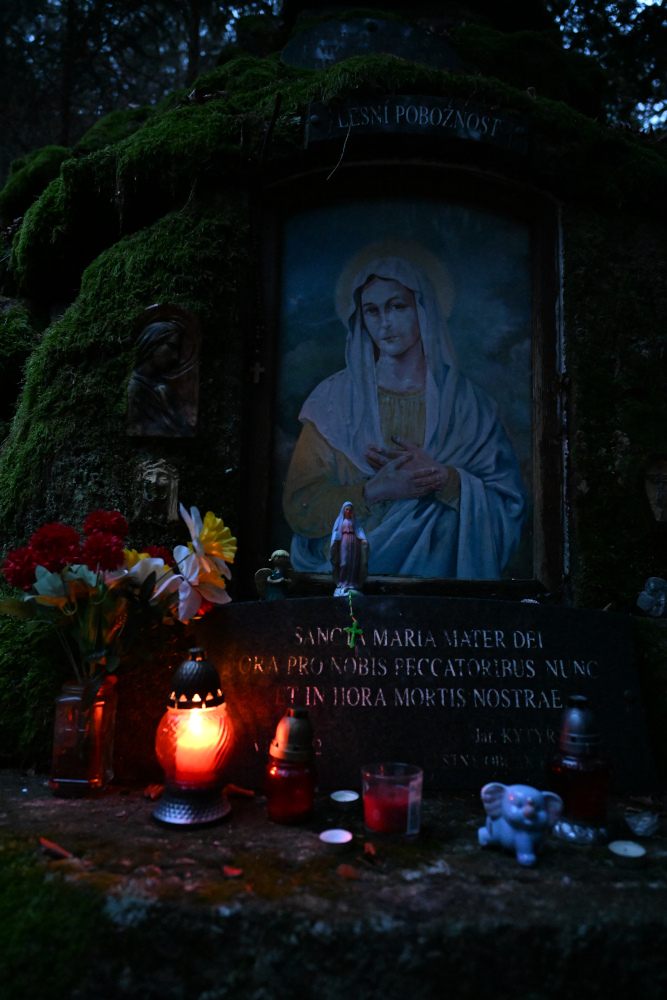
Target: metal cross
x=257, y=371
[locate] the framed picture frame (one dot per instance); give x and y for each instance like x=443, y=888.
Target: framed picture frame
x=494, y=242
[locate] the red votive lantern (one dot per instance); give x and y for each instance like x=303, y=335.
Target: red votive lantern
x=581, y=774
x=192, y=743
x=290, y=778
x=392, y=799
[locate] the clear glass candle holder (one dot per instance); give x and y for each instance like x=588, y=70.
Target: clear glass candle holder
x=392, y=799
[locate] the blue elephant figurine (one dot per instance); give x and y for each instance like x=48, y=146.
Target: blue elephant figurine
x=517, y=818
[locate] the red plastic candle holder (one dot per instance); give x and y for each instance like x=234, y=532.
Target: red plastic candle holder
x=290, y=778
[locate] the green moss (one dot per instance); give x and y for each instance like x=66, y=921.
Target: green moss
x=112, y=128
x=37, y=249
x=17, y=328
x=33, y=668
x=536, y=59
x=69, y=435
x=18, y=336
x=6, y=279
x=49, y=931
x=133, y=182
x=29, y=177
x=240, y=74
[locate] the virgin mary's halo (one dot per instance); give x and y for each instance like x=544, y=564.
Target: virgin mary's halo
x=408, y=250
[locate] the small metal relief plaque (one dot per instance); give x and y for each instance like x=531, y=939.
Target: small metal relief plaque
x=432, y=116
x=163, y=391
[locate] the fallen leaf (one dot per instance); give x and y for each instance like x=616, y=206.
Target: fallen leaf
x=67, y=864
x=347, y=871
x=240, y=793
x=153, y=791
x=53, y=850
x=148, y=870
x=370, y=857
x=231, y=872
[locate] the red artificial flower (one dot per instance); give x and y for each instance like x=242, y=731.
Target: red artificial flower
x=102, y=550
x=54, y=546
x=109, y=522
x=19, y=568
x=160, y=552
x=204, y=607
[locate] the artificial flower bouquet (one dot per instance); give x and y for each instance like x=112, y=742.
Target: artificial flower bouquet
x=101, y=596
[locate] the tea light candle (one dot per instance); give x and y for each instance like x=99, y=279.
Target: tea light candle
x=345, y=798
x=627, y=853
x=336, y=840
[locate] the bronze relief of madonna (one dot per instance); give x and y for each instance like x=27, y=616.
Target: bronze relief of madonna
x=163, y=390
x=404, y=388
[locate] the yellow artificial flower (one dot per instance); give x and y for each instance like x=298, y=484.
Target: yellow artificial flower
x=213, y=579
x=132, y=557
x=56, y=602
x=79, y=588
x=216, y=539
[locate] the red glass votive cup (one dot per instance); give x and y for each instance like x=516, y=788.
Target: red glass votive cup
x=392, y=799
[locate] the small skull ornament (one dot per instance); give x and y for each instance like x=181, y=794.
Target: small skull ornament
x=517, y=818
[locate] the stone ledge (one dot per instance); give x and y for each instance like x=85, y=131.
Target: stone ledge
x=439, y=918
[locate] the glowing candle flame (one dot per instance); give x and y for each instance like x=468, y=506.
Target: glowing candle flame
x=193, y=744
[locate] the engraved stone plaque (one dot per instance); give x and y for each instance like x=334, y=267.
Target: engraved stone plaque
x=418, y=115
x=470, y=690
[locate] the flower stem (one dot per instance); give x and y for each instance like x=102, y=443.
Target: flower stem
x=70, y=656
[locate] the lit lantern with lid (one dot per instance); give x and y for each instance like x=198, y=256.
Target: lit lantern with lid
x=192, y=743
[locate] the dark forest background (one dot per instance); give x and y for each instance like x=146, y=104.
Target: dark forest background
x=67, y=62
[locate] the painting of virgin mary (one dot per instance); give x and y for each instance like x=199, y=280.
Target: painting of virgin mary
x=415, y=445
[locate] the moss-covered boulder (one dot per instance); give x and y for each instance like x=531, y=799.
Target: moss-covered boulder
x=69, y=434
x=112, y=128
x=536, y=59
x=19, y=334
x=158, y=211
x=27, y=179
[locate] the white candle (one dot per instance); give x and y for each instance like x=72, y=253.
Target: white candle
x=345, y=797
x=336, y=840
x=627, y=852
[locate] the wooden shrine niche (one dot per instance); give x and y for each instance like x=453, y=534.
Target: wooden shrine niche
x=464, y=279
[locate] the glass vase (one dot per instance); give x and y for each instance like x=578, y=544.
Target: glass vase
x=83, y=740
